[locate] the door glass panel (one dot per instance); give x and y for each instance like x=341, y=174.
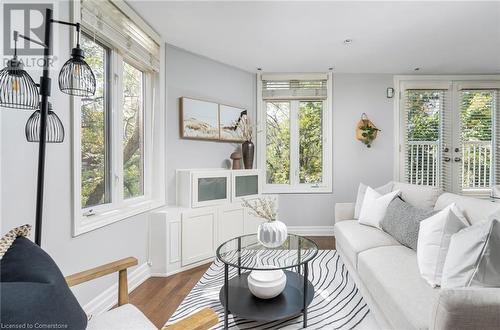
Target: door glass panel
x=310, y=142
x=476, y=119
x=210, y=189
x=278, y=142
x=246, y=185
x=423, y=116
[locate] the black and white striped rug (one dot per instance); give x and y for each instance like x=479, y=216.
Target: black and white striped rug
x=337, y=303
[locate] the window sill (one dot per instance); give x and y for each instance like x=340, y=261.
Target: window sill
x=275, y=189
x=86, y=224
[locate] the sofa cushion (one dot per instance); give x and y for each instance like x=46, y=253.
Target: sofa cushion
x=402, y=221
x=34, y=291
x=391, y=275
x=421, y=196
x=125, y=317
x=476, y=210
x=385, y=189
x=353, y=238
x=473, y=258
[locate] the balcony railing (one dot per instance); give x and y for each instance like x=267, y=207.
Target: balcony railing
x=476, y=165
x=423, y=164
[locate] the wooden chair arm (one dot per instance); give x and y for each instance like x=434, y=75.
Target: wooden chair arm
x=119, y=266
x=200, y=320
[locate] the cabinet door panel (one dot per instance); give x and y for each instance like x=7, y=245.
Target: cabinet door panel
x=230, y=224
x=198, y=236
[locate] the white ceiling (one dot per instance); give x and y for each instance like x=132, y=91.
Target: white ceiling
x=291, y=36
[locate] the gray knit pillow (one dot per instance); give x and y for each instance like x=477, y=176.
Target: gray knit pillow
x=402, y=221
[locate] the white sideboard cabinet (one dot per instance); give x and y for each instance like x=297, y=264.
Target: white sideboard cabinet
x=183, y=238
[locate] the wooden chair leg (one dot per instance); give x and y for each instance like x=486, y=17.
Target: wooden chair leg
x=122, y=287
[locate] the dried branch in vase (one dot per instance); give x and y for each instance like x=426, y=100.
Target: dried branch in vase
x=245, y=128
x=263, y=207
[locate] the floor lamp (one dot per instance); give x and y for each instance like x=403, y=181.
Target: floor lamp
x=19, y=91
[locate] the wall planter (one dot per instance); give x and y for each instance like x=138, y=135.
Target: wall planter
x=366, y=131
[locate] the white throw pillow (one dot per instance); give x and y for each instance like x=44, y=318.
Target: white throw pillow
x=385, y=189
x=474, y=257
x=374, y=207
x=434, y=240
x=420, y=196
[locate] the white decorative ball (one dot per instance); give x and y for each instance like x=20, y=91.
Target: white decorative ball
x=266, y=284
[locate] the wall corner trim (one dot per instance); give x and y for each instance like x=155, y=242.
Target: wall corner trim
x=109, y=297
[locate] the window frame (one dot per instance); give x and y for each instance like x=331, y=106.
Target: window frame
x=327, y=123
x=119, y=208
x=452, y=84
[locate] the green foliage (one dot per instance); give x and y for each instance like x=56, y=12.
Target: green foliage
x=423, y=115
x=310, y=142
x=278, y=142
x=476, y=115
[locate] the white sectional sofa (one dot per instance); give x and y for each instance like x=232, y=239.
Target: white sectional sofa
x=388, y=276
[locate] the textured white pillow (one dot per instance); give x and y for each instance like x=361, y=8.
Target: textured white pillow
x=374, y=207
x=474, y=257
x=434, y=240
x=385, y=189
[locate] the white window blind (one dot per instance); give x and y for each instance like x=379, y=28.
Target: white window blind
x=452, y=138
x=294, y=89
x=479, y=134
x=106, y=20
x=423, y=115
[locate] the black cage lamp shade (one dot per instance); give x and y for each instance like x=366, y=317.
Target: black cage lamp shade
x=17, y=88
x=54, y=130
x=76, y=77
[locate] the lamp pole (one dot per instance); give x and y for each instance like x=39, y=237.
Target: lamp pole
x=45, y=83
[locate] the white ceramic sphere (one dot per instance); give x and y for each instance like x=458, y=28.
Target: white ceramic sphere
x=272, y=234
x=266, y=284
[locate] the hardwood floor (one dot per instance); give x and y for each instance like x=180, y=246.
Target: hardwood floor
x=158, y=297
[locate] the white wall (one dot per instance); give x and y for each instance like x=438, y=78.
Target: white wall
x=18, y=166
x=199, y=77
x=353, y=162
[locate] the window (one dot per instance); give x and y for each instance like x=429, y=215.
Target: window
x=450, y=133
x=118, y=147
x=295, y=133
x=133, y=132
x=95, y=182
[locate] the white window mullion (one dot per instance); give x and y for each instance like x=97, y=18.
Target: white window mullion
x=294, y=143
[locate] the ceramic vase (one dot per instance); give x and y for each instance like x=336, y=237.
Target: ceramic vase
x=248, y=149
x=272, y=234
x=266, y=284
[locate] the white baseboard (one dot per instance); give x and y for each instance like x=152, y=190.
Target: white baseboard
x=311, y=230
x=109, y=297
x=184, y=268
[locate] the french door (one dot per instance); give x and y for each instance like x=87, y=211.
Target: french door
x=450, y=134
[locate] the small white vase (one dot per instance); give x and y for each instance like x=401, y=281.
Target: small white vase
x=266, y=284
x=272, y=234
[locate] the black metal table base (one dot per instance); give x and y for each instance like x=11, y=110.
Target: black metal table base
x=239, y=301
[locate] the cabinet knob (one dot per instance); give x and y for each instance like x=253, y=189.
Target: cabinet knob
x=458, y=159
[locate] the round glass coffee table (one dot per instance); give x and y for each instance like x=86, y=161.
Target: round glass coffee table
x=247, y=253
